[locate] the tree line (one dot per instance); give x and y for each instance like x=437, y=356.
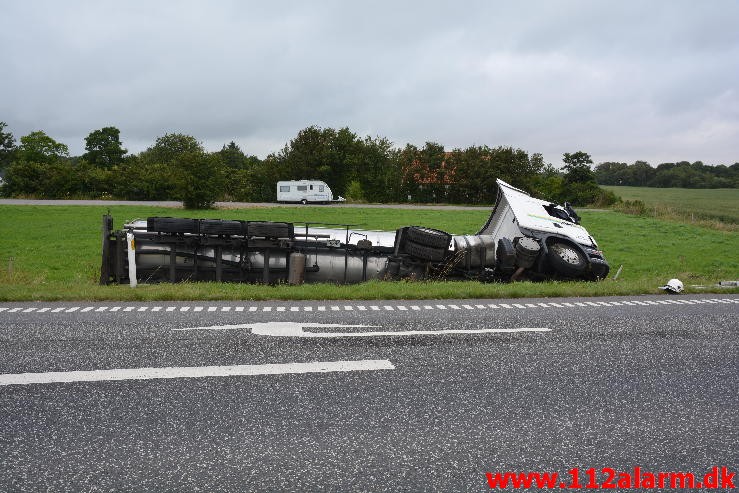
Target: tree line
x=177, y=167
x=668, y=175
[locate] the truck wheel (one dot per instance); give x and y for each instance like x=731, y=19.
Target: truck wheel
x=267, y=229
x=424, y=252
x=433, y=238
x=303, y=201
x=566, y=259
x=172, y=225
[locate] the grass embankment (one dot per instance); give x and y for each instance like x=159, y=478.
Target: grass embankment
x=55, y=253
x=717, y=208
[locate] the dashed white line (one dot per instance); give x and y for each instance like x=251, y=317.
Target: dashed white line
x=364, y=308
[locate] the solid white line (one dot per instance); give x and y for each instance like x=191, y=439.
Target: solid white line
x=193, y=372
x=2, y=309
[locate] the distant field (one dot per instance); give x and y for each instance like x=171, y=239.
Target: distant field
x=55, y=253
x=721, y=203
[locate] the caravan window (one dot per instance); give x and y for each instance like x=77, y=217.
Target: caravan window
x=311, y=187
x=284, y=188
x=302, y=188
x=320, y=188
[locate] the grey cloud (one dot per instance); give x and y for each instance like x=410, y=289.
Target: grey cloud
x=622, y=80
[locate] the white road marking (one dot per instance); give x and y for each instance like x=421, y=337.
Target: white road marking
x=193, y=372
x=295, y=329
x=186, y=308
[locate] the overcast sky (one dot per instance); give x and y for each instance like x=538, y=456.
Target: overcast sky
x=622, y=80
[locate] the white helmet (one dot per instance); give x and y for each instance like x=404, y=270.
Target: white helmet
x=673, y=286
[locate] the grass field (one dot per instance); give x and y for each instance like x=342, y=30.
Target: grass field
x=55, y=252
x=720, y=204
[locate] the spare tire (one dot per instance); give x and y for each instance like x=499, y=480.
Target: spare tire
x=433, y=238
x=567, y=259
x=424, y=252
x=266, y=229
x=171, y=225
x=220, y=227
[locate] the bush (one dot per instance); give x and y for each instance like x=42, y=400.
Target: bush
x=636, y=207
x=354, y=192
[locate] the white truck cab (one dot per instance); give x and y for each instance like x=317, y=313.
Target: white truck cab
x=305, y=191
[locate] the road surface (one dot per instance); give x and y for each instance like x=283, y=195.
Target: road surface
x=362, y=395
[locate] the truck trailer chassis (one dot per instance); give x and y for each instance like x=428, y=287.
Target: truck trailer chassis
x=524, y=239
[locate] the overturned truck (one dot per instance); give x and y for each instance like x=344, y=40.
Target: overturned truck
x=524, y=239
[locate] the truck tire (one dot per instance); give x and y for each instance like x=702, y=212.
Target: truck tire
x=171, y=225
x=267, y=229
x=567, y=259
x=424, y=252
x=433, y=238
x=221, y=227
x=598, y=268
x=304, y=202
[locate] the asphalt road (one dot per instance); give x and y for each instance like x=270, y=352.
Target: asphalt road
x=460, y=389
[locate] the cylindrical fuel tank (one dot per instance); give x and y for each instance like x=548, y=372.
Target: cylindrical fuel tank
x=479, y=250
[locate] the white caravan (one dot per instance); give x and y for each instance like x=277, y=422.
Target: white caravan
x=305, y=191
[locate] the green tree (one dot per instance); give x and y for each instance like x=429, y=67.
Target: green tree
x=7, y=147
x=38, y=147
x=199, y=179
x=577, y=168
x=169, y=147
x=104, y=148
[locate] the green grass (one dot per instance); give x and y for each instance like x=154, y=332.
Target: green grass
x=720, y=204
x=56, y=255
